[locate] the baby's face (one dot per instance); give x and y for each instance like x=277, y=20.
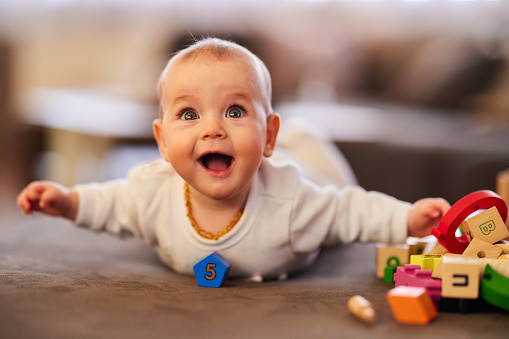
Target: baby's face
x=215, y=129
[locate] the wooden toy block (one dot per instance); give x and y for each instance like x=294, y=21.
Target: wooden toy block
x=212, y=270
x=494, y=288
x=445, y=232
x=416, y=247
x=411, y=305
x=438, y=249
x=503, y=244
x=460, y=277
x=426, y=261
x=437, y=272
x=482, y=249
x=385, y=251
x=362, y=309
x=412, y=275
x=486, y=225
x=501, y=266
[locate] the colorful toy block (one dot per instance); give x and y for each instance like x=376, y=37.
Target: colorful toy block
x=486, y=225
x=482, y=249
x=437, y=272
x=390, y=269
x=445, y=232
x=504, y=245
x=426, y=261
x=411, y=305
x=494, y=288
x=385, y=251
x=460, y=277
x=412, y=275
x=438, y=249
x=501, y=266
x=416, y=246
x=212, y=270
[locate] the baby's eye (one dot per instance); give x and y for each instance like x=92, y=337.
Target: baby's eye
x=189, y=115
x=235, y=112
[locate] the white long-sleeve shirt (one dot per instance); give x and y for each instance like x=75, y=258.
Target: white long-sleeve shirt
x=286, y=218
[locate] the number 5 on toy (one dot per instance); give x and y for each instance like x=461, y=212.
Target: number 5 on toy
x=211, y=273
x=212, y=270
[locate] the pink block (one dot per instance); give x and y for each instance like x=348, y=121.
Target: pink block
x=413, y=275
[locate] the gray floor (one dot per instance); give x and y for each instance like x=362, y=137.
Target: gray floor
x=57, y=281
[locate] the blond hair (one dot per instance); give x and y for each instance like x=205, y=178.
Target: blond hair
x=220, y=50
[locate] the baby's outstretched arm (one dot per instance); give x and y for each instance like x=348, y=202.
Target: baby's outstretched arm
x=49, y=198
x=424, y=215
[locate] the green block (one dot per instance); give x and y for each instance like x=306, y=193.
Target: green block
x=390, y=269
x=495, y=288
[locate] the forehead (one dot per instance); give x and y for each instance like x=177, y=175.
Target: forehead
x=237, y=68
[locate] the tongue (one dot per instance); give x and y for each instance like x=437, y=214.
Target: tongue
x=217, y=162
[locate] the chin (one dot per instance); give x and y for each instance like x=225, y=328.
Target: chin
x=221, y=191
x=219, y=194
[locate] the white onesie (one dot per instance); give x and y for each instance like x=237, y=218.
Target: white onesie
x=286, y=219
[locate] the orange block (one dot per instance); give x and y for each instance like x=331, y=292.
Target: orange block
x=411, y=305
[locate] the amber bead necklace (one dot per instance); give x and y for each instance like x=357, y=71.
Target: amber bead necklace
x=203, y=233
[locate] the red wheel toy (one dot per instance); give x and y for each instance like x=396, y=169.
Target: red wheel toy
x=445, y=232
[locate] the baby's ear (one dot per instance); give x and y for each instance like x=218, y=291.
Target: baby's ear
x=157, y=127
x=273, y=122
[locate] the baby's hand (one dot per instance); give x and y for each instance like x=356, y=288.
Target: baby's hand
x=426, y=214
x=49, y=198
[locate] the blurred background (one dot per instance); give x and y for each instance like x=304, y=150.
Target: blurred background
x=414, y=93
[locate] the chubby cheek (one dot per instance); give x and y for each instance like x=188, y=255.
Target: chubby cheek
x=251, y=149
x=179, y=149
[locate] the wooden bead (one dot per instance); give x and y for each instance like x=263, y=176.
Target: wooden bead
x=362, y=309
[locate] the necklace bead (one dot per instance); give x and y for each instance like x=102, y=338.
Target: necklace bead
x=201, y=232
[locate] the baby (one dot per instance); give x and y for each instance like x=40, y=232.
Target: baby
x=215, y=188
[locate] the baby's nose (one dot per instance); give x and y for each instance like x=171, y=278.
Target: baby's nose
x=213, y=128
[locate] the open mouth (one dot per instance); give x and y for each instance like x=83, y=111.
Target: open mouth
x=216, y=161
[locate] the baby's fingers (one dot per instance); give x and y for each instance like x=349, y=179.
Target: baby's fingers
x=434, y=212
x=440, y=207
x=53, y=201
x=42, y=197
x=28, y=199
x=23, y=203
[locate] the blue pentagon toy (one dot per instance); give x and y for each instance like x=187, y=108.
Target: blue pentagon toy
x=212, y=270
